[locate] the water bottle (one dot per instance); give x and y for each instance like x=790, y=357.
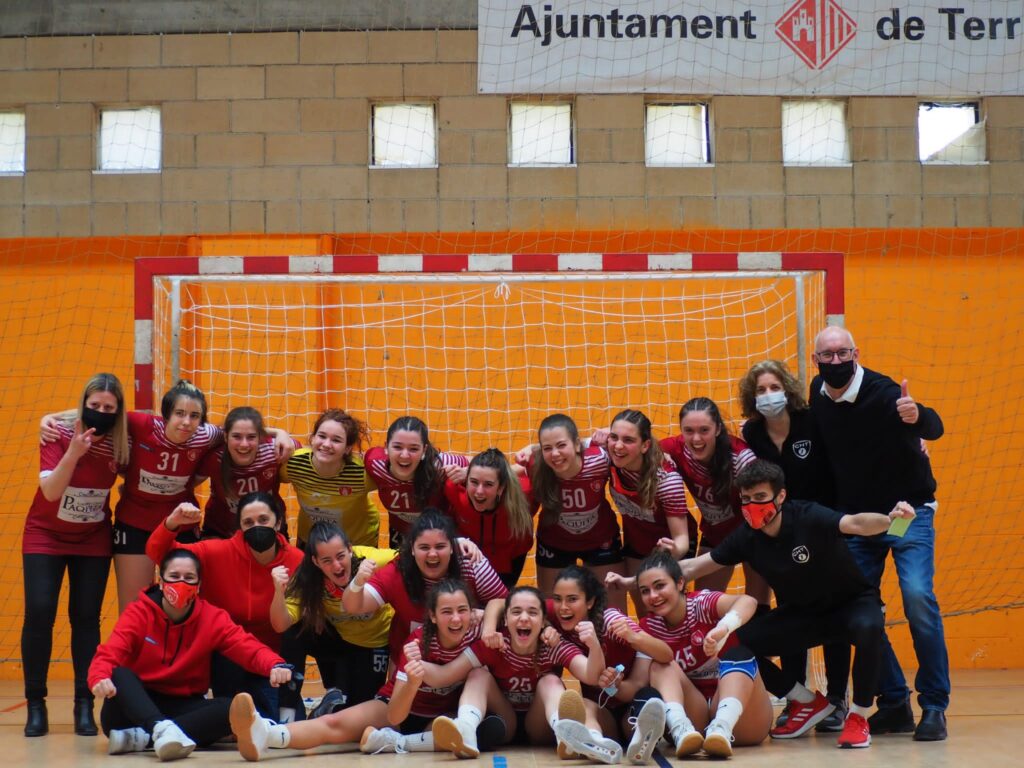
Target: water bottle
x=612, y=689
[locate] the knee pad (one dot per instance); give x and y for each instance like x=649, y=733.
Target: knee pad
x=737, y=659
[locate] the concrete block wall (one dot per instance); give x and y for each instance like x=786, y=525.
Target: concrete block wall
x=269, y=132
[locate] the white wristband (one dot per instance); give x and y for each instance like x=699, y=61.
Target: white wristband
x=354, y=586
x=731, y=621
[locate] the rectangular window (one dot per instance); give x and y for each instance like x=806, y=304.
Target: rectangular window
x=12, y=142
x=404, y=136
x=815, y=133
x=130, y=140
x=950, y=133
x=677, y=134
x=540, y=134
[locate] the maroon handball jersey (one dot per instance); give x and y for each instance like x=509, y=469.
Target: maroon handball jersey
x=399, y=496
x=717, y=516
x=642, y=526
x=79, y=522
x=687, y=639
x=517, y=675
x=159, y=474
x=587, y=520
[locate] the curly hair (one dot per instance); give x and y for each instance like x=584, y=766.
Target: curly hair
x=795, y=398
x=592, y=589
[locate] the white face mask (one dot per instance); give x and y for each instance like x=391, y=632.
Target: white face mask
x=771, y=404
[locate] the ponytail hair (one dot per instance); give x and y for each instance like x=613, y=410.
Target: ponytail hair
x=647, y=487
x=307, y=584
x=183, y=388
x=517, y=508
x=721, y=459
x=427, y=479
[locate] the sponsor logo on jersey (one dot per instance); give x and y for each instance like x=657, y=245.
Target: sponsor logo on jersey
x=801, y=554
x=579, y=523
x=802, y=448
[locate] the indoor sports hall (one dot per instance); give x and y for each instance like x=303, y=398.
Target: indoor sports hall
x=485, y=212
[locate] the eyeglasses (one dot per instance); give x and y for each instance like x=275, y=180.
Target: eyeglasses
x=844, y=354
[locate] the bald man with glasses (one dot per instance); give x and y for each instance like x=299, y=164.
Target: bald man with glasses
x=872, y=431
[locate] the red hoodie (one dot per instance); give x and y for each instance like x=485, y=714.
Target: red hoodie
x=174, y=659
x=232, y=579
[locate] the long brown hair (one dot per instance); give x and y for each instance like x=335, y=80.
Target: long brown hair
x=517, y=508
x=227, y=464
x=647, y=487
x=546, y=486
x=108, y=382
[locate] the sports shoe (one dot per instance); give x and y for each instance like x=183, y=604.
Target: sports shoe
x=688, y=742
x=856, y=733
x=332, y=701
x=582, y=742
x=570, y=707
x=835, y=722
x=251, y=730
x=127, y=740
x=491, y=733
x=648, y=726
x=455, y=736
x=718, y=739
x=898, y=719
x=170, y=742
x=378, y=740
x=803, y=717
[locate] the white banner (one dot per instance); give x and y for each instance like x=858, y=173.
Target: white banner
x=789, y=48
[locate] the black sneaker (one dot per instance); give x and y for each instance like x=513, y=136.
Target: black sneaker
x=898, y=719
x=490, y=734
x=332, y=701
x=834, y=723
x=932, y=726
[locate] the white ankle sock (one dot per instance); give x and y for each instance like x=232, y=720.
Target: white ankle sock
x=470, y=715
x=729, y=711
x=858, y=710
x=420, y=742
x=801, y=694
x=280, y=737
x=675, y=717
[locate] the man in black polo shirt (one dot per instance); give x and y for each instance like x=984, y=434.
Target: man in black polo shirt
x=871, y=429
x=822, y=596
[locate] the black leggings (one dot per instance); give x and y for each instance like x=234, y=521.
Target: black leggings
x=356, y=671
x=203, y=720
x=857, y=622
x=87, y=583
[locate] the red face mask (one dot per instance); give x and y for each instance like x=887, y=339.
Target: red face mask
x=180, y=594
x=759, y=513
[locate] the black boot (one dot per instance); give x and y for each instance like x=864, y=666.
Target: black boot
x=84, y=723
x=37, y=723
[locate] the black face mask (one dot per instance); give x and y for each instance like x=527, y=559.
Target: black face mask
x=837, y=375
x=99, y=421
x=260, y=538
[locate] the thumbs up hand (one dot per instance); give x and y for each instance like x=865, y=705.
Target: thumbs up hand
x=905, y=406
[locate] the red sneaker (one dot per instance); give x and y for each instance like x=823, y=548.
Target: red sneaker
x=803, y=717
x=856, y=733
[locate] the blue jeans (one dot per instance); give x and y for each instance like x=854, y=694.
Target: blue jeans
x=914, y=555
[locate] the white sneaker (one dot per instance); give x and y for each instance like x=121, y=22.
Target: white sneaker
x=718, y=739
x=688, y=741
x=648, y=726
x=378, y=740
x=455, y=736
x=251, y=730
x=127, y=740
x=170, y=742
x=580, y=740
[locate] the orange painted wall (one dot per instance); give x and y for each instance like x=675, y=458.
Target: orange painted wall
x=943, y=308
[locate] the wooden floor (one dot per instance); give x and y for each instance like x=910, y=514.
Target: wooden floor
x=986, y=718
